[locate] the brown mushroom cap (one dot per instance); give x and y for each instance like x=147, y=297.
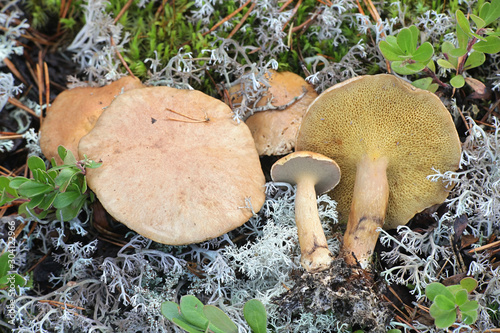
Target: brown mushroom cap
x=274, y=131
x=383, y=116
x=176, y=167
x=74, y=113
x=291, y=168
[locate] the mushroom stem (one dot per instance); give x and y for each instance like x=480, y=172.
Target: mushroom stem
x=315, y=255
x=368, y=208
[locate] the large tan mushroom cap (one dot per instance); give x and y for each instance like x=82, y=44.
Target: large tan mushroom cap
x=275, y=131
x=383, y=116
x=174, y=179
x=74, y=113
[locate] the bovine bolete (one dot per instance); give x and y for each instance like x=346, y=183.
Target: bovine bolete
x=176, y=167
x=74, y=113
x=386, y=136
x=313, y=174
x=274, y=131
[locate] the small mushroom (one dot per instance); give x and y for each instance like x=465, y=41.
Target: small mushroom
x=386, y=136
x=74, y=113
x=274, y=131
x=176, y=167
x=313, y=174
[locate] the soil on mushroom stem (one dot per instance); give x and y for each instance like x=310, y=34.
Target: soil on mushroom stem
x=353, y=295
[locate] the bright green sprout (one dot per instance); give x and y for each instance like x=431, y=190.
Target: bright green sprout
x=406, y=58
x=61, y=189
x=449, y=301
x=194, y=317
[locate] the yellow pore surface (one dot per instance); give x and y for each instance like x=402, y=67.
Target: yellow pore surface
x=378, y=116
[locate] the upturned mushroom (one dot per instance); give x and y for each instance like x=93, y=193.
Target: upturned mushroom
x=274, y=131
x=387, y=137
x=176, y=167
x=313, y=174
x=74, y=113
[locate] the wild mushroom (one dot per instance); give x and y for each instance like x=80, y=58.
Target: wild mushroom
x=313, y=174
x=176, y=167
x=274, y=131
x=74, y=112
x=386, y=136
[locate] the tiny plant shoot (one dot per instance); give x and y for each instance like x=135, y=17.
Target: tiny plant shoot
x=61, y=189
x=449, y=301
x=474, y=39
x=194, y=317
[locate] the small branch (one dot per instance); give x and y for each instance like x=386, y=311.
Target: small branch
x=238, y=26
x=227, y=18
x=17, y=103
x=122, y=11
x=124, y=63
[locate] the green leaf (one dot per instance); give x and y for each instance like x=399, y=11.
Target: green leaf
x=491, y=45
x=92, y=165
x=24, y=210
x=406, y=42
x=423, y=53
x=42, y=176
x=478, y=21
x=457, y=52
x=425, y=83
x=444, y=302
x=32, y=188
x=469, y=306
x=431, y=66
x=64, y=178
x=35, y=163
x=461, y=297
x=255, y=315
x=457, y=81
x=445, y=64
x=7, y=193
x=454, y=288
x=5, y=281
x=404, y=68
x=435, y=288
x=170, y=310
x=469, y=318
x=192, y=310
x=475, y=59
x=463, y=23
x=69, y=159
x=468, y=284
x=4, y=264
x=389, y=52
x=219, y=319
x=48, y=200
x=61, y=151
x=35, y=201
x=17, y=181
x=490, y=12
x=442, y=318
x=70, y=212
x=462, y=38
x=182, y=323
x=65, y=199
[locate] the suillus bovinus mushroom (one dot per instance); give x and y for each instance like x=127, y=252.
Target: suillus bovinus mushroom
x=313, y=174
x=74, y=113
x=274, y=131
x=176, y=167
x=387, y=137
